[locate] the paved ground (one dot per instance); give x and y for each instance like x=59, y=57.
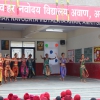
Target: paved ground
x=54, y=86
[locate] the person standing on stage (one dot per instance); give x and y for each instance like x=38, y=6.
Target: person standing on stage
x=1, y=68
x=83, y=71
x=30, y=66
x=46, y=68
x=24, y=68
x=8, y=72
x=63, y=70
x=15, y=68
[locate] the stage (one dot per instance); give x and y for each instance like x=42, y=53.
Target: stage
x=54, y=86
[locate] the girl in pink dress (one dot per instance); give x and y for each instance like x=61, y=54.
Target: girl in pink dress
x=24, y=69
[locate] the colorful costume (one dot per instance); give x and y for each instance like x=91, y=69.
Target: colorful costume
x=1, y=69
x=83, y=70
x=15, y=67
x=30, y=68
x=24, y=69
x=46, y=69
x=63, y=67
x=8, y=72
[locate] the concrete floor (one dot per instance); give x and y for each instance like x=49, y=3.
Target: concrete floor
x=54, y=86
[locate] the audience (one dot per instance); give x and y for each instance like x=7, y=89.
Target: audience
x=77, y=97
x=58, y=98
x=64, y=95
x=10, y=96
x=1, y=98
x=93, y=98
x=26, y=96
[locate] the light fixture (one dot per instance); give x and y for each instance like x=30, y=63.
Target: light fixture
x=54, y=30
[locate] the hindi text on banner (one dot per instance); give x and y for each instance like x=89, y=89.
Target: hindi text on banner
x=80, y=13
x=29, y=9
x=97, y=14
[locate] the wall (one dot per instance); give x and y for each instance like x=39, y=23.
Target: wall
x=16, y=36
x=83, y=38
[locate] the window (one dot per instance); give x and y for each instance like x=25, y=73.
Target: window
x=28, y=51
x=16, y=44
x=22, y=44
x=18, y=51
x=28, y=44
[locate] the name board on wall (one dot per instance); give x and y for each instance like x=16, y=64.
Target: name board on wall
x=78, y=53
x=96, y=54
x=88, y=53
x=70, y=54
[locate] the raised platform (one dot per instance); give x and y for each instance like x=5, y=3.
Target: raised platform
x=54, y=86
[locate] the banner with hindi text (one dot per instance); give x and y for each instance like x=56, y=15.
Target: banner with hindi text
x=33, y=10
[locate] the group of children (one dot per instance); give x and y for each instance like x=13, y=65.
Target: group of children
x=63, y=71
x=27, y=68
x=8, y=71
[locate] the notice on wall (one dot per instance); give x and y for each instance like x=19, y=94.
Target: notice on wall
x=78, y=53
x=51, y=48
x=70, y=54
x=96, y=54
x=88, y=53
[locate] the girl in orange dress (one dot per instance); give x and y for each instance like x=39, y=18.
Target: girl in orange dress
x=8, y=72
x=1, y=68
x=15, y=66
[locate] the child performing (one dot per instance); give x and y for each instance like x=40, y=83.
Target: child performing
x=15, y=68
x=46, y=68
x=83, y=71
x=63, y=69
x=30, y=66
x=24, y=68
x=8, y=73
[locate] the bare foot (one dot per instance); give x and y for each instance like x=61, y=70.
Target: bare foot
x=15, y=80
x=81, y=80
x=61, y=79
x=10, y=80
x=84, y=81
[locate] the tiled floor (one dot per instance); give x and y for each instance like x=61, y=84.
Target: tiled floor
x=54, y=86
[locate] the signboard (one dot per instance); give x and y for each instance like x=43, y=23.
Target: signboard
x=49, y=11
x=78, y=53
x=88, y=53
x=96, y=54
x=70, y=54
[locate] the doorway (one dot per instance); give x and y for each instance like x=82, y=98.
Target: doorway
x=22, y=50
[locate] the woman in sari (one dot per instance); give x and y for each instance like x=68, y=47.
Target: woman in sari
x=63, y=70
x=30, y=66
x=8, y=72
x=24, y=68
x=15, y=66
x=46, y=68
x=83, y=71
x=1, y=68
